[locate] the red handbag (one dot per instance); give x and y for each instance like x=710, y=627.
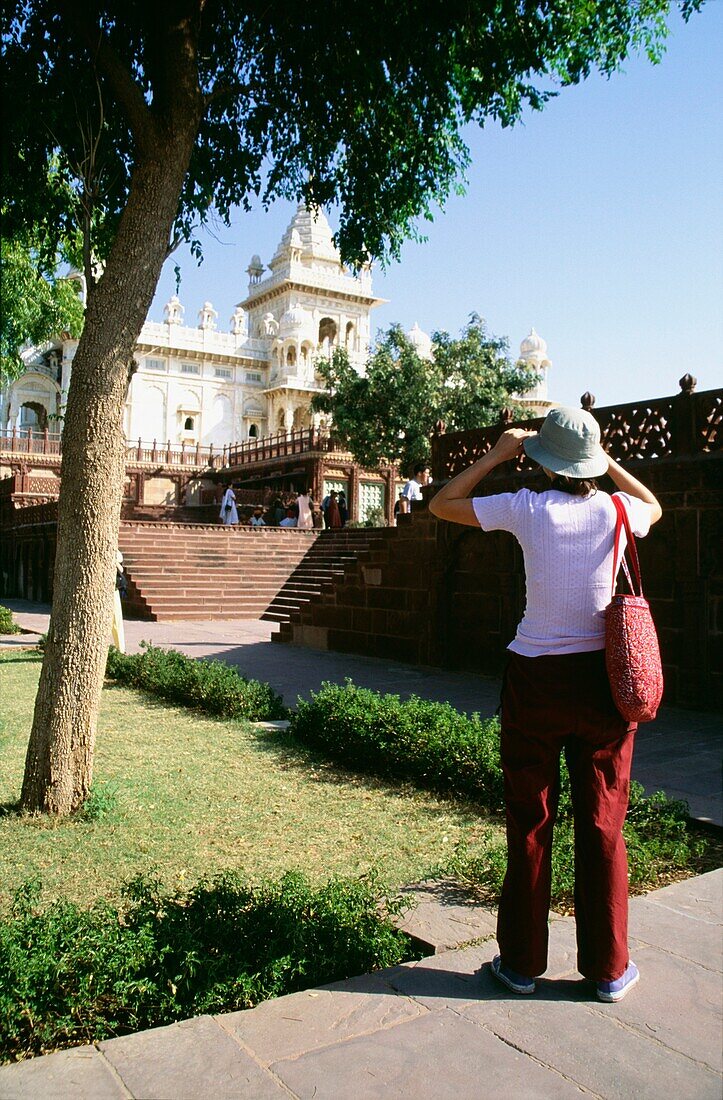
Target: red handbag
x=632, y=653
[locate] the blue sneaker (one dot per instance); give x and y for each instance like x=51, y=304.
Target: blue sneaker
x=516, y=982
x=615, y=991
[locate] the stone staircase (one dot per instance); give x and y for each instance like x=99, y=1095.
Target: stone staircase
x=201, y=572
x=381, y=604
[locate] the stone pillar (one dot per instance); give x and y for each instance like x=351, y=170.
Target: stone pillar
x=353, y=501
x=390, y=483
x=316, y=483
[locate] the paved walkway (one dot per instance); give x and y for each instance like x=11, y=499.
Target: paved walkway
x=680, y=752
x=443, y=1029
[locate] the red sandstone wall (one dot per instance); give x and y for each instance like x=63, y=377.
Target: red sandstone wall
x=439, y=594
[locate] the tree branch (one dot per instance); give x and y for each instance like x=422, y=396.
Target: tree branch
x=125, y=89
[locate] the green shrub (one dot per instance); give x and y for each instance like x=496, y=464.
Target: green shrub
x=70, y=976
x=431, y=744
x=656, y=834
x=435, y=746
x=7, y=624
x=211, y=686
x=101, y=803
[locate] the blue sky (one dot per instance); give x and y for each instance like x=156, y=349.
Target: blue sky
x=599, y=221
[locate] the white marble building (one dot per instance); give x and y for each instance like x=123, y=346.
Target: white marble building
x=199, y=384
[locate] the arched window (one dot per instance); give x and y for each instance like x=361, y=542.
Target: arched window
x=253, y=431
x=33, y=415
x=349, y=335
x=327, y=332
x=188, y=424
x=291, y=357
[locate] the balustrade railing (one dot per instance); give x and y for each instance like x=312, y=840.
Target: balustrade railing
x=30, y=441
x=36, y=441
x=688, y=423
x=301, y=441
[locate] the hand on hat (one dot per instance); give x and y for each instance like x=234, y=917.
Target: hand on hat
x=509, y=445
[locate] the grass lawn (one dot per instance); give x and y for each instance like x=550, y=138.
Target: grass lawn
x=196, y=795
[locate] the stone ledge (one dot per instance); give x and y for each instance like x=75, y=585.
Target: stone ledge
x=443, y=915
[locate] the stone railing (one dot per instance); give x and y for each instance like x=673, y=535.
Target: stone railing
x=18, y=442
x=688, y=423
x=302, y=441
x=35, y=441
x=33, y=514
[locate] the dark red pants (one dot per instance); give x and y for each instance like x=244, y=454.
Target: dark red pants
x=551, y=704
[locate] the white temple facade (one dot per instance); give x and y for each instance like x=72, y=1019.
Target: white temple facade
x=196, y=383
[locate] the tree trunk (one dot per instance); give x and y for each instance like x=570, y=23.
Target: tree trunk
x=59, y=762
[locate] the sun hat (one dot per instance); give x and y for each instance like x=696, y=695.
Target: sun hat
x=568, y=443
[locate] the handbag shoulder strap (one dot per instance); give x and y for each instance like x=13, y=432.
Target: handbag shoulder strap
x=623, y=520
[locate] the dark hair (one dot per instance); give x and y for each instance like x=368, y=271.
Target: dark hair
x=420, y=468
x=575, y=486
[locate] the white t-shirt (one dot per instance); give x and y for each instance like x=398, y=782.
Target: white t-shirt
x=412, y=490
x=567, y=543
x=290, y=521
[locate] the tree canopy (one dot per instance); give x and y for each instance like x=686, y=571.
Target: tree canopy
x=36, y=304
x=388, y=413
x=357, y=105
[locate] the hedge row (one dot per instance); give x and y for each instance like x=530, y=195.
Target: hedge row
x=70, y=976
x=7, y=623
x=431, y=744
x=435, y=746
x=211, y=686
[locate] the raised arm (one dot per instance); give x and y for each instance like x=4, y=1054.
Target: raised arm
x=452, y=502
x=634, y=488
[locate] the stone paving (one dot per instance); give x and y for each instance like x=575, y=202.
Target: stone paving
x=443, y=1029
x=680, y=752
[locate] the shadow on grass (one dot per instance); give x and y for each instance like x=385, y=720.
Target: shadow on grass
x=294, y=754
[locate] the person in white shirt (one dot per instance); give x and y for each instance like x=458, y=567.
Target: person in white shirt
x=121, y=587
x=257, y=518
x=306, y=517
x=413, y=489
x=556, y=695
x=289, y=520
x=229, y=512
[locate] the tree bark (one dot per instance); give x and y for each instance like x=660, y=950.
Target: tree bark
x=59, y=763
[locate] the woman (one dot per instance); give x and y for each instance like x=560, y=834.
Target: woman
x=229, y=512
x=304, y=503
x=343, y=509
x=556, y=695
x=332, y=516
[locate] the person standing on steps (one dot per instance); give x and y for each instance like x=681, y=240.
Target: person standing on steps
x=413, y=489
x=343, y=509
x=229, y=512
x=556, y=695
x=305, y=505
x=330, y=510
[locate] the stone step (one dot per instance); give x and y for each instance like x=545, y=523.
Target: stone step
x=181, y=571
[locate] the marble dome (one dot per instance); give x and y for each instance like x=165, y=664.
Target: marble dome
x=295, y=320
x=533, y=346
x=420, y=341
